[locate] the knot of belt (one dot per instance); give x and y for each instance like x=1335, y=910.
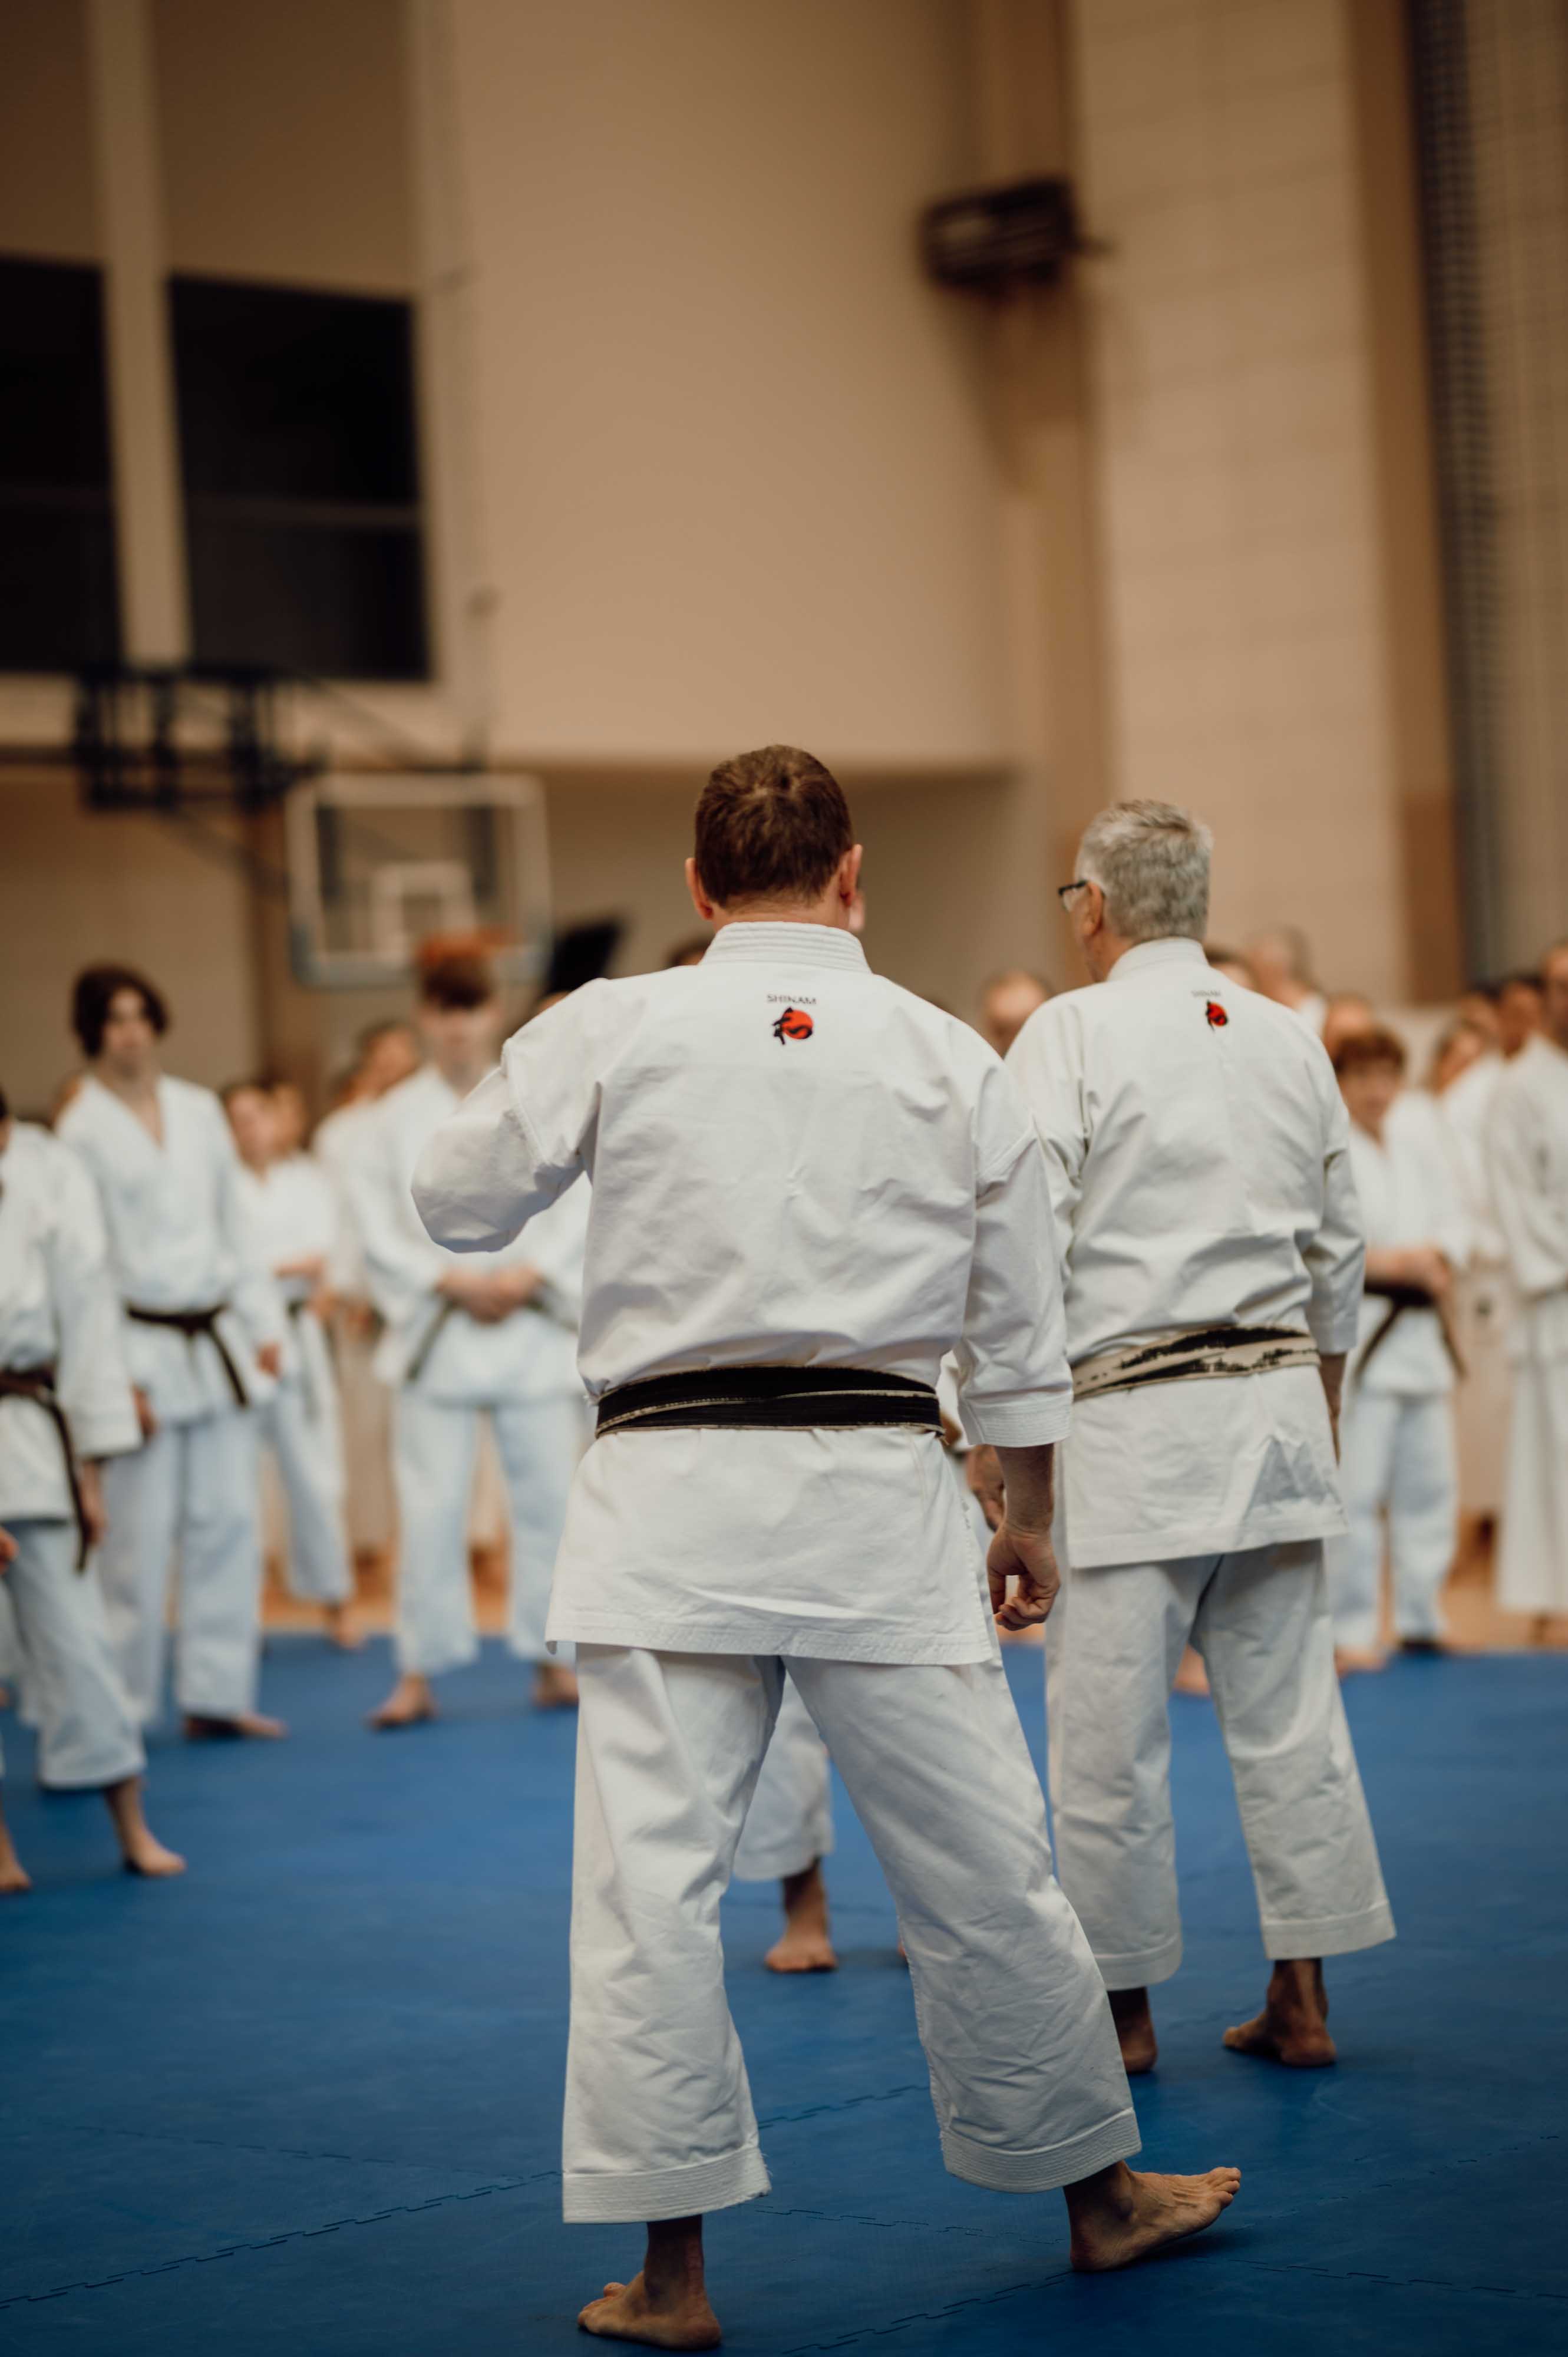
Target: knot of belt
x=193, y=1323
x=37, y=1384
x=770, y=1399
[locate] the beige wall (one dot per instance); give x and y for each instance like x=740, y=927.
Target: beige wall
x=285, y=141
x=1241, y=528
x=75, y=889
x=732, y=453
x=46, y=182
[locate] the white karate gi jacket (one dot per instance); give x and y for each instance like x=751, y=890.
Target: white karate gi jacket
x=1408, y=1195
x=56, y=1307
x=293, y=1212
x=531, y=1354
x=1527, y=1163
x=179, y=1238
x=861, y=1189
x=1199, y=1152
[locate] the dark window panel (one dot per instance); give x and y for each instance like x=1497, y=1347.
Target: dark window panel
x=294, y=394
x=59, y=601
x=54, y=423
x=343, y=603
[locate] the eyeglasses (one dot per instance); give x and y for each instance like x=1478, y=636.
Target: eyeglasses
x=1076, y=886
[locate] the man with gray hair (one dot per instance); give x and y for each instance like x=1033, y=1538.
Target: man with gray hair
x=1198, y=1158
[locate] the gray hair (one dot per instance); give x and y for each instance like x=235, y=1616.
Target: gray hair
x=1151, y=861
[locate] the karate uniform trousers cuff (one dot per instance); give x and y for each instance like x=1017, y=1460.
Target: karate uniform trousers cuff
x=647, y=2194
x=1327, y=1936
x=1138, y=1968
x=1049, y=2167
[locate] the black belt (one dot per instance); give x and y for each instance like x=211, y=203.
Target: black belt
x=191, y=1323
x=772, y=1399
x=37, y=1384
x=1401, y=1299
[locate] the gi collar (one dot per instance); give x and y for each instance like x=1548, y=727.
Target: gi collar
x=1174, y=950
x=791, y=945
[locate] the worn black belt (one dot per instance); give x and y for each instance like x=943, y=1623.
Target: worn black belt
x=37, y=1384
x=191, y=1323
x=1401, y=1299
x=772, y=1399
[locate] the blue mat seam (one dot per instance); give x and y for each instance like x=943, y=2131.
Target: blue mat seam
x=270, y=2241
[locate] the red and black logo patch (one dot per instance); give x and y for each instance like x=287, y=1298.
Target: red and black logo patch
x=1218, y=1018
x=793, y=1024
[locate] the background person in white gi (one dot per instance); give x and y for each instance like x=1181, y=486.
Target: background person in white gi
x=203, y=1337
x=65, y=1404
x=1397, y=1453
x=464, y=1338
x=1528, y=1165
x=807, y=1185
x=292, y=1207
x=1199, y=1164
x=789, y=1831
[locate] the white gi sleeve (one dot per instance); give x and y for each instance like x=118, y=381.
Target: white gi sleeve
x=403, y=1268
x=517, y=1142
x=1014, y=1385
x=254, y=1297
x=93, y=1387
x=1534, y=1227
x=1336, y=1256
x=1047, y=1062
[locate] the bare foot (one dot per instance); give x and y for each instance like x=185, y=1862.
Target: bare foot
x=1121, y=2216
x=1292, y=2026
x=629, y=2312
x=555, y=1688
x=409, y=1703
x=13, y=1876
x=201, y=1728
x=1351, y=1659
x=150, y=1857
x=1192, y=1678
x=342, y=1629
x=139, y=1846
x=806, y=1945
x=1134, y=2030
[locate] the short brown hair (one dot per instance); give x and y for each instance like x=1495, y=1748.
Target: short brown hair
x=1362, y=1050
x=458, y=981
x=771, y=826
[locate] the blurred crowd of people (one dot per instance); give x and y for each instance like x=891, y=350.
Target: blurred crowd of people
x=196, y=1288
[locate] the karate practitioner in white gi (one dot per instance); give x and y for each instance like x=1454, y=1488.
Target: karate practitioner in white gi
x=465, y=1338
x=388, y=1053
x=1528, y=1167
x=1398, y=1456
x=203, y=1332
x=789, y=1831
x=65, y=1405
x=293, y=1208
x=1199, y=1165
x=807, y=1185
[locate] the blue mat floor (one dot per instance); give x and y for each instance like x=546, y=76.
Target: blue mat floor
x=308, y=2099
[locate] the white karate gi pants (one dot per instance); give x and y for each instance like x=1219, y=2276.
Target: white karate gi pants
x=1397, y=1456
x=307, y=1443
x=1113, y=1644
x=191, y=1493
x=1532, y=1554
x=789, y=1824
x=87, y=1731
x=1027, y=2076
x=434, y=1446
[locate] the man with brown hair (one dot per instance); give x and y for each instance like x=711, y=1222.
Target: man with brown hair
x=807, y=1186
x=466, y=1338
